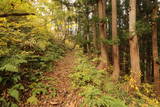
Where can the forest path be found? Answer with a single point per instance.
(66, 96)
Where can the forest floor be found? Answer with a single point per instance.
(65, 95)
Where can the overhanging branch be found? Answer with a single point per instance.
(16, 14)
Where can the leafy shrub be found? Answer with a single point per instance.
(86, 74)
(38, 89)
(94, 97)
(142, 96)
(98, 90)
(26, 51)
(90, 81)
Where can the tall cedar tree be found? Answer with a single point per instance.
(155, 49)
(116, 67)
(133, 42)
(102, 32)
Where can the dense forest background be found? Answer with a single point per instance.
(73, 53)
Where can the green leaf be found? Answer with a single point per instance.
(14, 105)
(42, 45)
(16, 78)
(1, 79)
(18, 86)
(32, 100)
(4, 102)
(9, 67)
(14, 93)
(39, 91)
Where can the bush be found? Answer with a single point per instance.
(26, 51)
(90, 81)
(98, 90)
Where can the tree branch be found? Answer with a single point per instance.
(16, 14)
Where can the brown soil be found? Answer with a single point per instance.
(66, 96)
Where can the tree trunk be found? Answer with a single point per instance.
(94, 26)
(94, 35)
(102, 32)
(116, 67)
(134, 48)
(155, 51)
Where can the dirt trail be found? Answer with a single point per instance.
(66, 97)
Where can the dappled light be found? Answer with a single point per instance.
(79, 53)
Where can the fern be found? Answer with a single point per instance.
(93, 97)
(12, 64)
(14, 93)
(42, 45)
(38, 89)
(32, 100)
(9, 67)
(86, 74)
(90, 82)
(27, 50)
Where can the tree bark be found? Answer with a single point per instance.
(94, 26)
(94, 35)
(116, 66)
(134, 48)
(155, 51)
(102, 32)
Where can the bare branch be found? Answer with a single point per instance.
(16, 14)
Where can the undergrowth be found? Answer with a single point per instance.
(90, 82)
(27, 50)
(98, 90)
